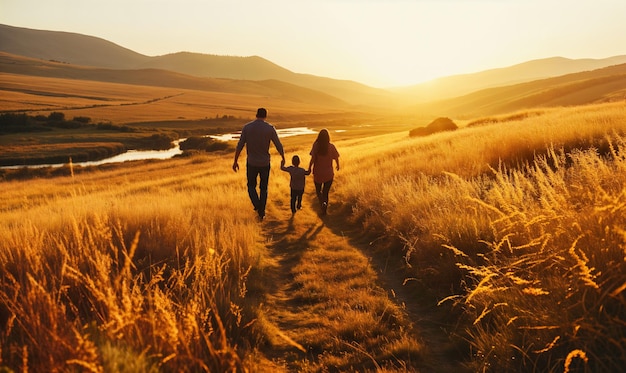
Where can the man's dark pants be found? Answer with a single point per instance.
(258, 199)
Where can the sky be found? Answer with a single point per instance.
(381, 43)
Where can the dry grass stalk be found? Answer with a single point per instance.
(529, 213)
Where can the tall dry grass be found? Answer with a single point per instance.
(516, 226)
(139, 269)
(519, 224)
(549, 280)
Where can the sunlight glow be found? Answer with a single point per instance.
(380, 43)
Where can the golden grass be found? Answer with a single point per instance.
(325, 309)
(522, 219)
(125, 103)
(517, 226)
(162, 264)
(117, 103)
(144, 264)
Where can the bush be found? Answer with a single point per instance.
(157, 141)
(114, 127)
(56, 117)
(11, 119)
(83, 120)
(438, 125)
(70, 124)
(16, 123)
(203, 143)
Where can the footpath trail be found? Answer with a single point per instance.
(334, 307)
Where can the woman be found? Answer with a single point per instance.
(322, 155)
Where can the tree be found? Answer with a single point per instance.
(56, 116)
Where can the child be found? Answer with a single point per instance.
(298, 175)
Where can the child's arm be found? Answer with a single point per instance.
(282, 165)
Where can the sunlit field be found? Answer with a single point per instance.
(518, 226)
(514, 229)
(125, 103)
(127, 270)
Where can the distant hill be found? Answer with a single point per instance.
(458, 85)
(257, 68)
(67, 47)
(600, 85)
(459, 94)
(92, 51)
(14, 64)
(213, 66)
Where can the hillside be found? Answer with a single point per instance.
(77, 49)
(67, 47)
(458, 85)
(162, 78)
(488, 92)
(257, 68)
(602, 85)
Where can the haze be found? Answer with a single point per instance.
(381, 43)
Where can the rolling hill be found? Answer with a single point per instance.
(459, 85)
(588, 87)
(545, 82)
(67, 47)
(14, 64)
(82, 50)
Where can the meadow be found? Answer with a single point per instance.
(512, 230)
(517, 226)
(103, 269)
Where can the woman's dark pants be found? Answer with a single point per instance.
(322, 189)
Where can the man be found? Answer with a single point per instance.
(256, 136)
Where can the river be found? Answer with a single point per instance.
(135, 155)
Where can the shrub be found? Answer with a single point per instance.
(56, 117)
(438, 125)
(204, 143)
(84, 120)
(114, 127)
(15, 123)
(70, 124)
(11, 119)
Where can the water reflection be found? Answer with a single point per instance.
(281, 133)
(137, 155)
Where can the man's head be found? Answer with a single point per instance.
(261, 113)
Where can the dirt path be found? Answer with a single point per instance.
(334, 306)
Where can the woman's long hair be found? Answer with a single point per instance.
(323, 139)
